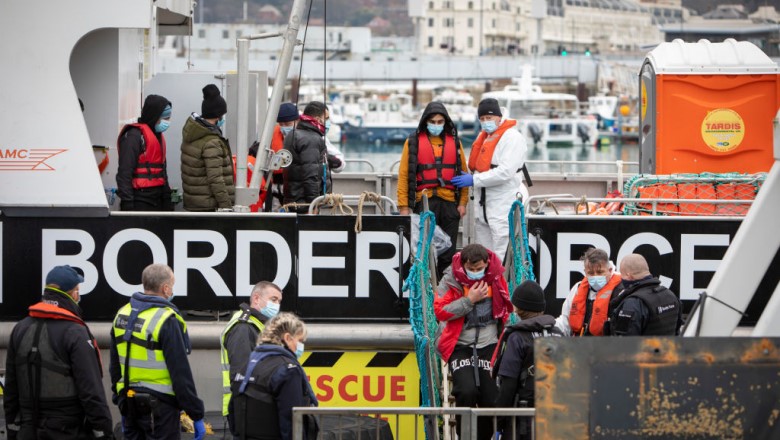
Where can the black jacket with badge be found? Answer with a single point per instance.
(645, 307)
(303, 179)
(241, 340)
(513, 362)
(87, 412)
(263, 401)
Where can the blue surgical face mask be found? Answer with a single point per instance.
(327, 125)
(298, 349)
(162, 125)
(475, 275)
(270, 310)
(489, 126)
(221, 122)
(435, 130)
(286, 130)
(597, 282)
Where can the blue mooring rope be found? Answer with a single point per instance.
(423, 337)
(522, 271)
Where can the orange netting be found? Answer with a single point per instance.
(710, 187)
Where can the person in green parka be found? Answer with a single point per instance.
(206, 160)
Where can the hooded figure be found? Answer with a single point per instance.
(142, 175)
(206, 160)
(431, 157)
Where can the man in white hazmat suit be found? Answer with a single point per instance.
(496, 161)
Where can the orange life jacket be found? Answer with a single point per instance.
(466, 291)
(44, 310)
(431, 168)
(482, 149)
(277, 143)
(150, 170)
(600, 312)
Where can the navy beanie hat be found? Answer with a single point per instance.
(65, 277)
(214, 105)
(529, 296)
(488, 106)
(287, 112)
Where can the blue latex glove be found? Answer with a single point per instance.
(465, 179)
(200, 429)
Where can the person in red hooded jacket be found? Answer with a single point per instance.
(472, 304)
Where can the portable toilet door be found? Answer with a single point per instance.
(707, 107)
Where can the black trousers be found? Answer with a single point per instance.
(54, 428)
(464, 384)
(161, 424)
(448, 218)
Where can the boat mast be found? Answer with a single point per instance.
(247, 196)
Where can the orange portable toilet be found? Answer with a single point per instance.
(707, 107)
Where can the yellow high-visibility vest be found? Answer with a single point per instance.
(147, 362)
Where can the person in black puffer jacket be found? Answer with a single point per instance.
(309, 174)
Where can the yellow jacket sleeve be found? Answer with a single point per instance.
(403, 181)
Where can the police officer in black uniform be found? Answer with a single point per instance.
(513, 361)
(644, 306)
(54, 387)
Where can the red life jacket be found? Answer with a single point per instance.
(150, 170)
(44, 310)
(433, 171)
(600, 312)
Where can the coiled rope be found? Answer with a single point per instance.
(522, 270)
(367, 196)
(420, 312)
(336, 202)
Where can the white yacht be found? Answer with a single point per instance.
(544, 117)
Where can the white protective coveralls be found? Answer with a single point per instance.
(502, 184)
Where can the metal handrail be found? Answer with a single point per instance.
(468, 416)
(542, 199)
(365, 161)
(316, 203)
(618, 164)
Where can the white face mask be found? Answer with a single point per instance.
(298, 349)
(270, 310)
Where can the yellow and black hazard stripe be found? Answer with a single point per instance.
(383, 359)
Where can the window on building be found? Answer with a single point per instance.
(470, 42)
(430, 5)
(430, 41)
(201, 33)
(494, 6)
(471, 5)
(493, 23)
(238, 34)
(517, 27)
(470, 22)
(226, 34)
(446, 5)
(430, 22)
